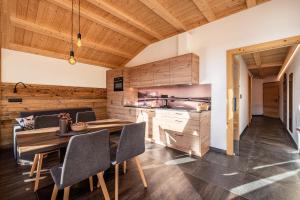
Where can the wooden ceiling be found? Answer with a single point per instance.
(113, 31)
(267, 63)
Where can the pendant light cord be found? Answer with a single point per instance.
(79, 14)
(72, 26)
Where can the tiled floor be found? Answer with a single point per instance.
(268, 168)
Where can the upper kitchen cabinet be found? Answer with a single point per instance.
(141, 76)
(178, 70)
(161, 72)
(184, 69)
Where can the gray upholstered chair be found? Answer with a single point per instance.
(86, 155)
(46, 121)
(131, 144)
(86, 116)
(42, 121)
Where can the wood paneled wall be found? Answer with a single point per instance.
(46, 97)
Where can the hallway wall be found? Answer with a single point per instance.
(244, 100)
(295, 69)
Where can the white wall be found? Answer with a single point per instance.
(257, 97)
(30, 68)
(294, 68)
(244, 94)
(273, 20)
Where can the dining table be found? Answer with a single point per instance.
(46, 139)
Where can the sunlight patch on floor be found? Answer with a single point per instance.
(231, 174)
(275, 164)
(180, 161)
(258, 184)
(33, 179)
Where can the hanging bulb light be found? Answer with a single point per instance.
(72, 59)
(79, 34)
(79, 40)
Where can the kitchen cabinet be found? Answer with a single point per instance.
(184, 69)
(141, 76)
(161, 73)
(172, 71)
(182, 130)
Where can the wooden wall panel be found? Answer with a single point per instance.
(46, 97)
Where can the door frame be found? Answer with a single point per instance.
(290, 41)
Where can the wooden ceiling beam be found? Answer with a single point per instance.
(250, 3)
(30, 26)
(291, 53)
(257, 60)
(100, 20)
(205, 9)
(265, 65)
(43, 52)
(125, 17)
(156, 7)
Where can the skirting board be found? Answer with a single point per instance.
(217, 150)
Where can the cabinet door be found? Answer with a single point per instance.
(181, 70)
(146, 75)
(141, 76)
(161, 73)
(133, 77)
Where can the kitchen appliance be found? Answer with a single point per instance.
(118, 84)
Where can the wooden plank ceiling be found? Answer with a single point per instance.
(113, 31)
(267, 63)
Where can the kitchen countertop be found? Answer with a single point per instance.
(159, 108)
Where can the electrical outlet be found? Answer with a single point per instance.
(15, 100)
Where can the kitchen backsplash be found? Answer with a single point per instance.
(188, 96)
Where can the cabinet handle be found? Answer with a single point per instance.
(178, 134)
(178, 120)
(178, 113)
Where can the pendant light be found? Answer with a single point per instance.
(79, 34)
(72, 59)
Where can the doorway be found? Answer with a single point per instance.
(284, 100)
(232, 101)
(271, 99)
(291, 80)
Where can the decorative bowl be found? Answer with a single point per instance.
(80, 126)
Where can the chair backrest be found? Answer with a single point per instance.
(132, 141)
(45, 121)
(86, 116)
(86, 155)
(71, 111)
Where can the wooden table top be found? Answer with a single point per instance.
(45, 139)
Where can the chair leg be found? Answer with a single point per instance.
(91, 183)
(103, 186)
(34, 164)
(116, 181)
(137, 161)
(66, 193)
(54, 193)
(124, 167)
(38, 172)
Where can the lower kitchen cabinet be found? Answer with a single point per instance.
(182, 130)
